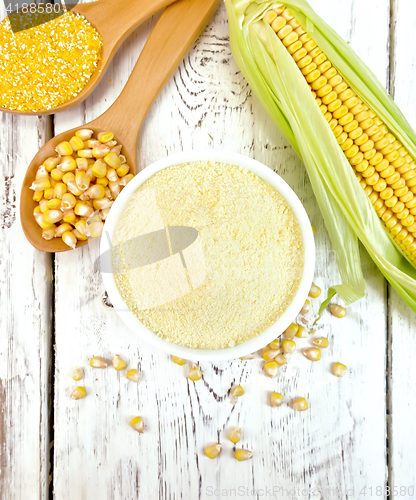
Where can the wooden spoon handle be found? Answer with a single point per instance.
(116, 20)
(176, 31)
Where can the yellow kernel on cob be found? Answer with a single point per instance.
(235, 435)
(137, 424)
(194, 372)
(242, 455)
(213, 450)
(276, 399)
(339, 370)
(79, 393)
(300, 404)
(370, 147)
(98, 362)
(78, 374)
(133, 375)
(119, 363)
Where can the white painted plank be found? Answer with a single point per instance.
(338, 444)
(402, 320)
(25, 323)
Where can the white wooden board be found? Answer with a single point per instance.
(209, 105)
(25, 323)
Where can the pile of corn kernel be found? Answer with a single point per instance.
(49, 64)
(76, 188)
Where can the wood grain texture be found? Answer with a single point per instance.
(25, 323)
(402, 321)
(337, 445)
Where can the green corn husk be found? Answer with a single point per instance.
(275, 78)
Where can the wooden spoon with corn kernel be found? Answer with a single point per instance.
(176, 31)
(114, 22)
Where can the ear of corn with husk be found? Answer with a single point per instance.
(351, 211)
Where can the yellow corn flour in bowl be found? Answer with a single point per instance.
(240, 271)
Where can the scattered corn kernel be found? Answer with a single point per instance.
(119, 363)
(213, 450)
(280, 359)
(195, 372)
(249, 356)
(270, 354)
(337, 311)
(300, 404)
(98, 362)
(302, 333)
(320, 342)
(237, 391)
(271, 368)
(275, 344)
(291, 331)
(288, 346)
(178, 361)
(312, 353)
(339, 370)
(78, 374)
(306, 307)
(79, 393)
(137, 424)
(315, 291)
(133, 375)
(276, 399)
(235, 435)
(242, 455)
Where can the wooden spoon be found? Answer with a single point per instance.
(176, 31)
(115, 21)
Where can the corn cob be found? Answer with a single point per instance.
(383, 167)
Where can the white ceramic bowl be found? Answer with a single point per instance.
(256, 343)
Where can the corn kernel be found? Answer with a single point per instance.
(306, 307)
(288, 346)
(76, 143)
(49, 234)
(337, 311)
(312, 353)
(133, 375)
(270, 354)
(119, 363)
(280, 359)
(242, 455)
(291, 331)
(105, 136)
(276, 399)
(339, 370)
(64, 149)
(113, 160)
(235, 435)
(178, 361)
(98, 362)
(321, 342)
(195, 372)
(237, 391)
(271, 368)
(300, 404)
(51, 162)
(137, 424)
(302, 333)
(213, 450)
(79, 393)
(84, 134)
(69, 239)
(78, 374)
(315, 291)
